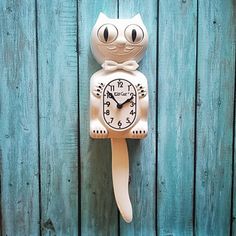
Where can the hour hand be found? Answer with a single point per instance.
(128, 100)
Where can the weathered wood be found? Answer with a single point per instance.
(176, 102)
(215, 91)
(18, 119)
(142, 153)
(99, 214)
(58, 114)
(62, 96)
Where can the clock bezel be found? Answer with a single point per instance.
(103, 110)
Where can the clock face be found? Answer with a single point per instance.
(119, 104)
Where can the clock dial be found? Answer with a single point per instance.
(119, 104)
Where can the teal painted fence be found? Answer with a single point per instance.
(55, 180)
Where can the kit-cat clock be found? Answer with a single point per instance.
(119, 94)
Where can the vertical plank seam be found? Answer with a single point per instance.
(233, 156)
(38, 116)
(118, 8)
(78, 127)
(157, 69)
(195, 128)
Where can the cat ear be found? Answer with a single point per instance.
(137, 18)
(102, 16)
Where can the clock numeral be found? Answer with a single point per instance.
(112, 118)
(119, 124)
(107, 112)
(112, 87)
(128, 120)
(132, 94)
(132, 103)
(129, 87)
(132, 112)
(120, 84)
(107, 103)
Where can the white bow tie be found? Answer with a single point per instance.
(127, 65)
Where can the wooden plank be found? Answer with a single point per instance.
(143, 152)
(58, 97)
(18, 119)
(176, 102)
(98, 209)
(215, 96)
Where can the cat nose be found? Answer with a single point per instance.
(121, 42)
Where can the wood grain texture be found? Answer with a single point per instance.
(176, 101)
(142, 153)
(58, 114)
(99, 214)
(215, 95)
(18, 119)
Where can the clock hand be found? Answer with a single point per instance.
(112, 96)
(128, 100)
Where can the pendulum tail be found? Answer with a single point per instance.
(120, 177)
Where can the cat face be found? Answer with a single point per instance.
(118, 40)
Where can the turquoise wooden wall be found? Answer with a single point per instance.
(55, 180)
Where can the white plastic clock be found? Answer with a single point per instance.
(119, 95)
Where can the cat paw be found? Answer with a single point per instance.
(98, 89)
(139, 131)
(98, 131)
(142, 92)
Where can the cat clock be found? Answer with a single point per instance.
(119, 95)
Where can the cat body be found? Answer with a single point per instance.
(98, 127)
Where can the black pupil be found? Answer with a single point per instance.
(134, 34)
(105, 34)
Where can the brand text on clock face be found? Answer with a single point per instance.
(120, 94)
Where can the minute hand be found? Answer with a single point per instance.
(112, 96)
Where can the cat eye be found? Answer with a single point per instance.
(107, 33)
(134, 34)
